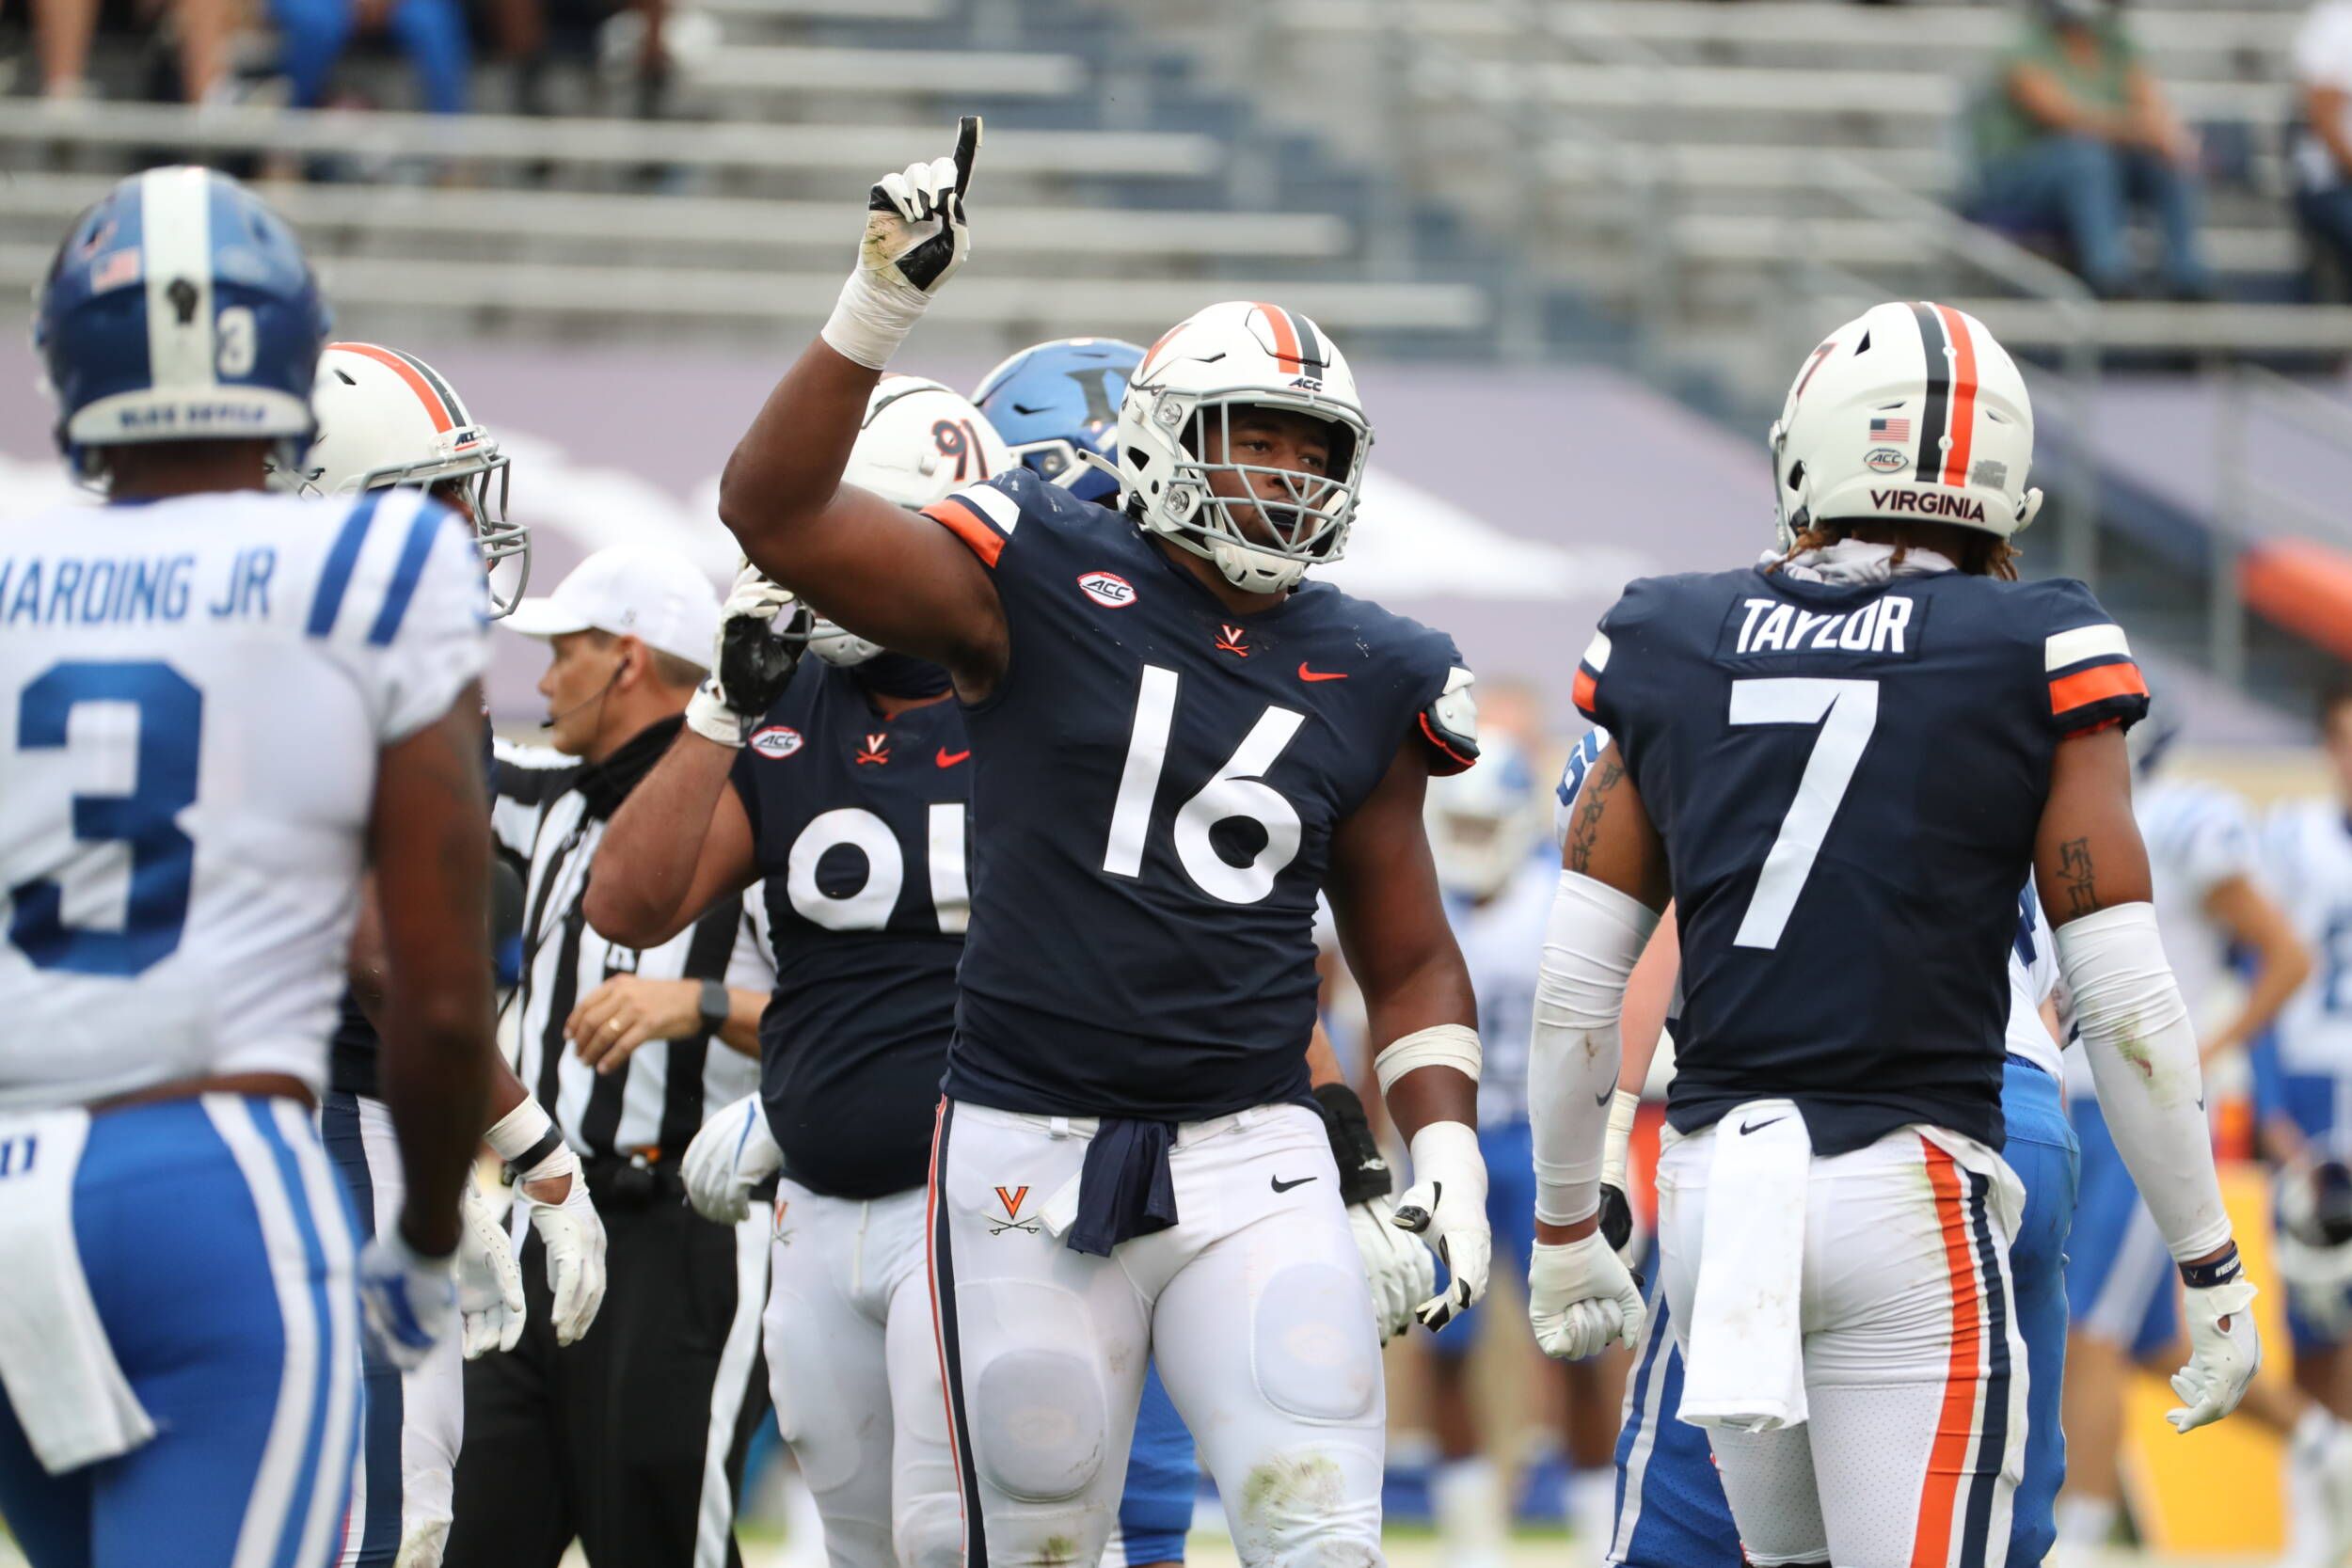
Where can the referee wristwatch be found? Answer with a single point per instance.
(715, 1006)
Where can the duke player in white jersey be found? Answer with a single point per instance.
(2303, 1080)
(220, 707)
(2210, 901)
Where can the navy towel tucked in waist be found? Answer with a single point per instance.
(1126, 1189)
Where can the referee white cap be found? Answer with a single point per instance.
(657, 596)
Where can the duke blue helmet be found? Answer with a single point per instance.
(1053, 401)
(179, 308)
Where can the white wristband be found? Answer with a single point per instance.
(1453, 1045)
(1622, 1110)
(519, 1130)
(871, 319)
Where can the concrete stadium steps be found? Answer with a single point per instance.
(1010, 309)
(715, 232)
(830, 153)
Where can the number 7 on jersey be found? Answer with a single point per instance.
(1848, 712)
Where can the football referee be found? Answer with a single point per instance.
(632, 1440)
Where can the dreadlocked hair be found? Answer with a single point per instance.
(1978, 553)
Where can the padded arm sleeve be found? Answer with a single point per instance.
(1596, 935)
(2143, 1058)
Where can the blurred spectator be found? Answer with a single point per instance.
(62, 31)
(2323, 144)
(432, 33)
(2073, 132)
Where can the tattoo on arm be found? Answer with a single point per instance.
(1586, 829)
(2082, 890)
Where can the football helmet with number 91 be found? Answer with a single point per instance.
(920, 441)
(386, 417)
(1241, 354)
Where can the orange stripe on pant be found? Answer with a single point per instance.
(1956, 1419)
(968, 525)
(1963, 422)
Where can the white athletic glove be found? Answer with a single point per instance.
(1402, 1272)
(572, 1233)
(916, 236)
(762, 633)
(489, 1283)
(409, 1299)
(2221, 1361)
(733, 1153)
(1447, 1205)
(1580, 1298)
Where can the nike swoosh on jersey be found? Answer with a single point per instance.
(1307, 674)
(948, 759)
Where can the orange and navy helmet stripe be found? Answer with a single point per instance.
(1297, 343)
(440, 403)
(1950, 408)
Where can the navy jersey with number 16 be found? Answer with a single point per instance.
(1849, 779)
(1157, 785)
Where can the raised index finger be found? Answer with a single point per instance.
(967, 145)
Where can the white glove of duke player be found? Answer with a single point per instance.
(733, 1153)
(489, 1282)
(572, 1234)
(2221, 1360)
(916, 236)
(409, 1299)
(1580, 1298)
(1446, 1205)
(763, 631)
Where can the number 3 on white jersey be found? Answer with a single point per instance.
(1848, 712)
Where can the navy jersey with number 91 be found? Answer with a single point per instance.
(1157, 784)
(1849, 779)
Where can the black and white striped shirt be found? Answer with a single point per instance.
(550, 813)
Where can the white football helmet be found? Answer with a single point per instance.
(1911, 412)
(920, 442)
(1487, 823)
(388, 418)
(1238, 355)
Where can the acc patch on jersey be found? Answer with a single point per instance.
(776, 741)
(1107, 589)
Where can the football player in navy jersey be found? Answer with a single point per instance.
(1840, 764)
(1175, 744)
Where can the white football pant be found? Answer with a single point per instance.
(853, 1369)
(431, 1395)
(1914, 1371)
(1254, 1303)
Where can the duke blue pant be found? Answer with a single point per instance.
(217, 1244)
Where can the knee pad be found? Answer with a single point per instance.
(929, 1531)
(1039, 1424)
(1315, 1352)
